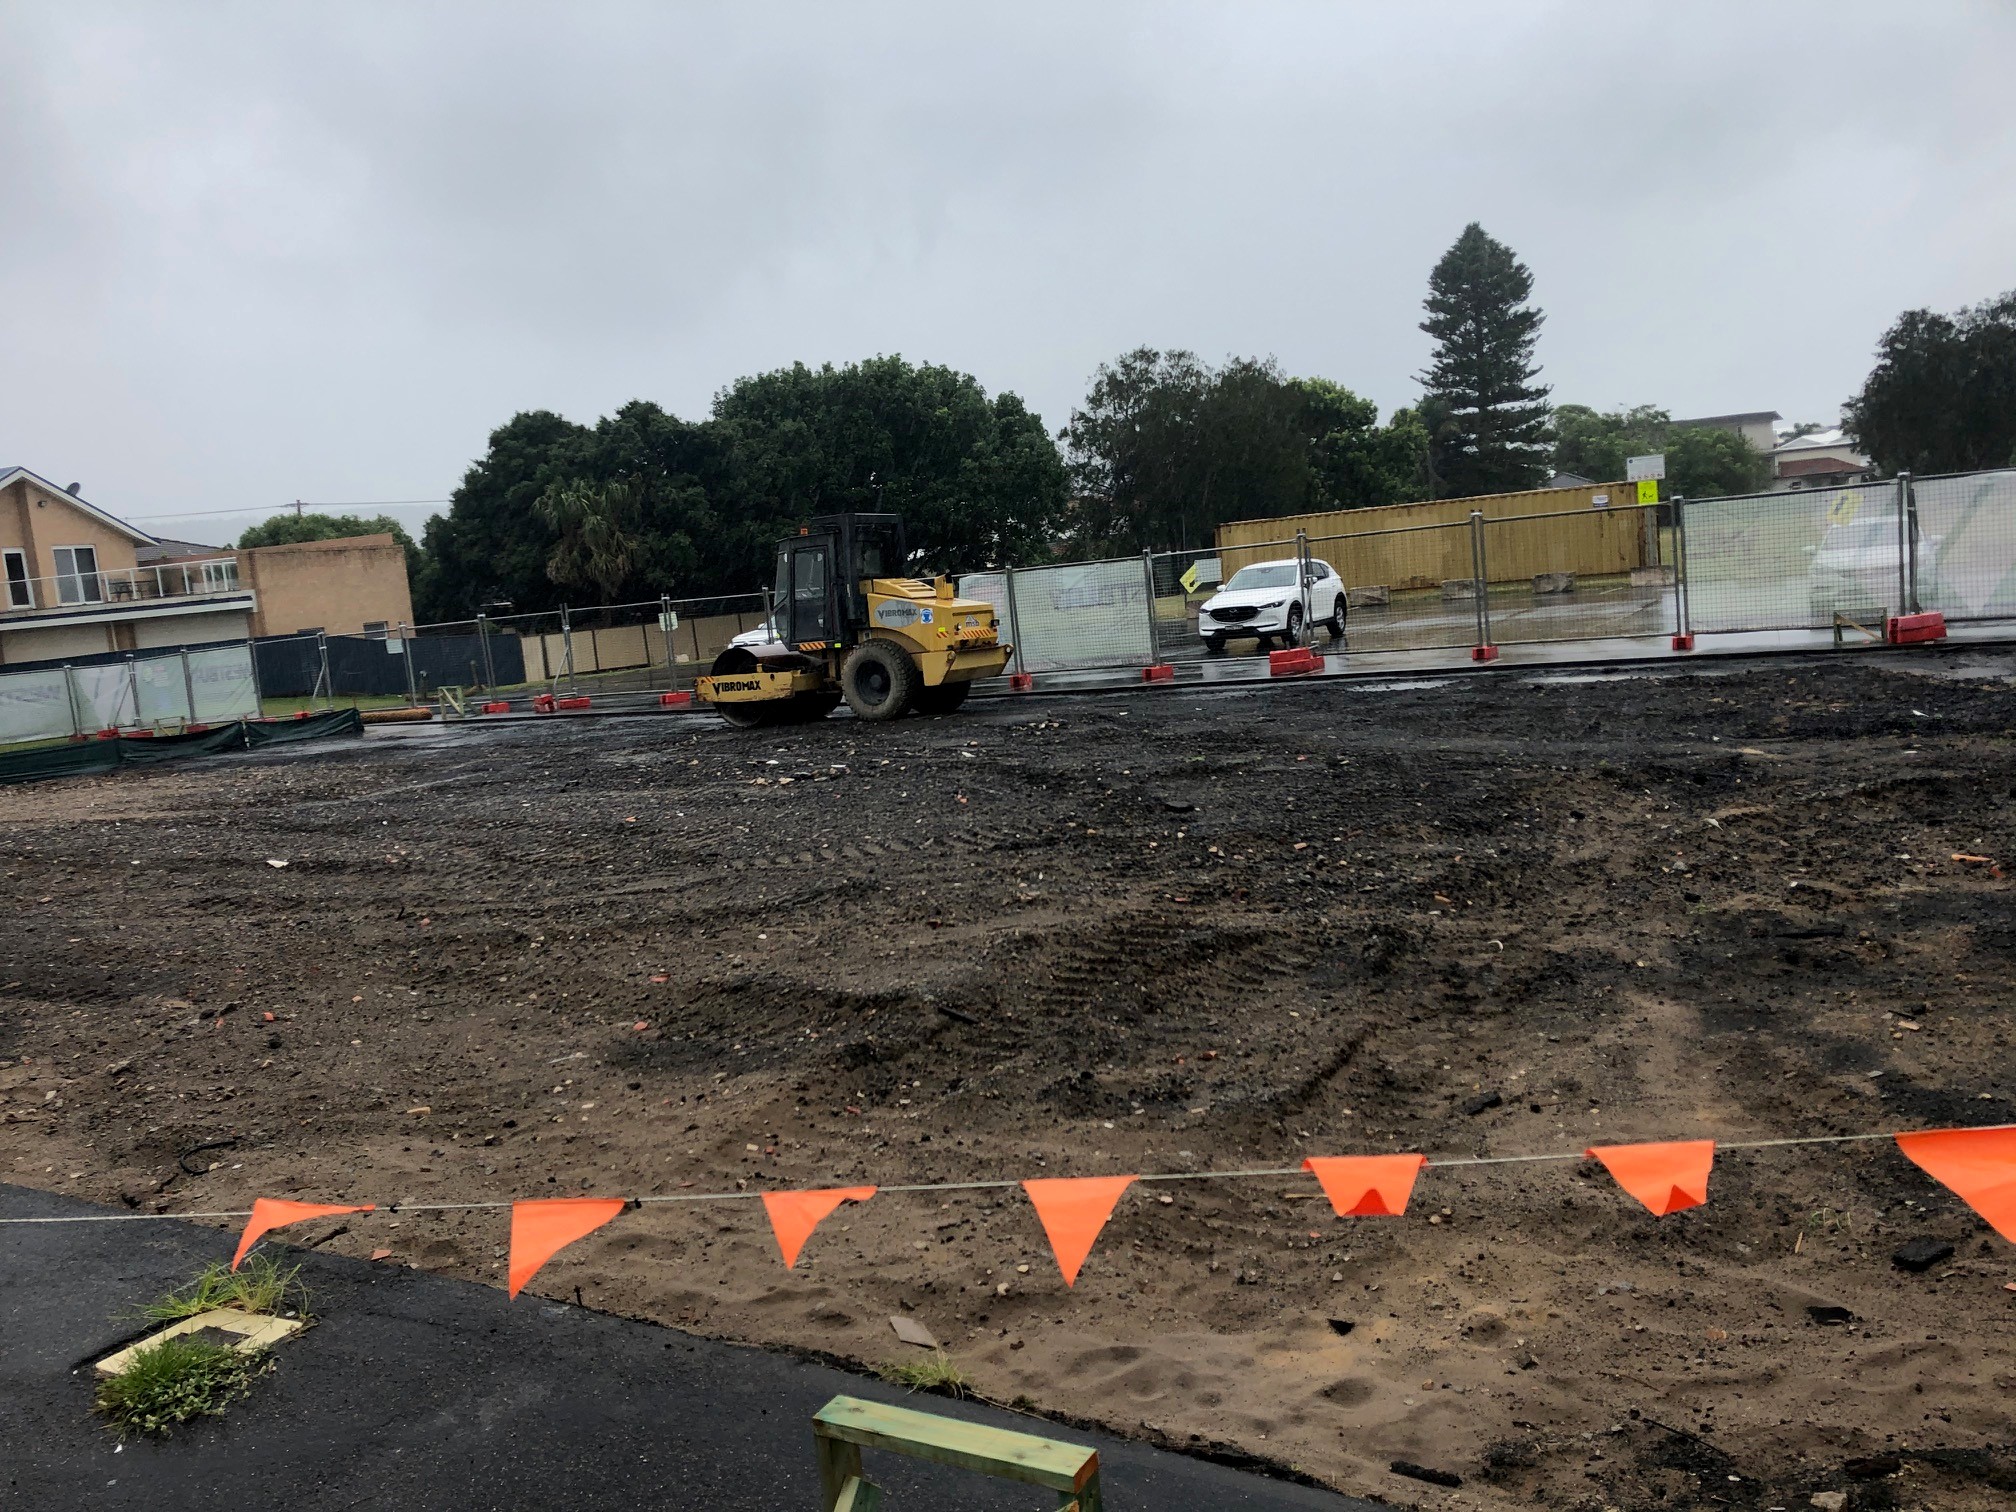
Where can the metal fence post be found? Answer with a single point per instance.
(483, 647)
(325, 685)
(1480, 577)
(70, 687)
(1302, 583)
(1683, 617)
(665, 634)
(258, 693)
(1014, 624)
(1148, 583)
(1909, 496)
(188, 685)
(567, 646)
(406, 646)
(133, 687)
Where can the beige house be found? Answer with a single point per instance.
(75, 584)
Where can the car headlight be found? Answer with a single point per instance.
(1276, 604)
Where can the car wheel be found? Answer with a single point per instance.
(1337, 613)
(1291, 636)
(1214, 645)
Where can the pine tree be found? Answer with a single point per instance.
(1493, 418)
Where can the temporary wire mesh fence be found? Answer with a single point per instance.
(1589, 575)
(1074, 616)
(1965, 562)
(154, 692)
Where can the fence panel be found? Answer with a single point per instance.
(35, 706)
(1792, 561)
(1408, 590)
(223, 682)
(105, 695)
(1966, 558)
(1073, 617)
(1556, 578)
(163, 690)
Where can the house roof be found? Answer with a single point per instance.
(164, 549)
(1806, 467)
(1826, 440)
(1748, 417)
(12, 474)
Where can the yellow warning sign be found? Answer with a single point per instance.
(1648, 490)
(1843, 509)
(1189, 579)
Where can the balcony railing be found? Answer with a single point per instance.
(67, 593)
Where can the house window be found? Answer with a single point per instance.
(377, 629)
(220, 577)
(20, 592)
(77, 580)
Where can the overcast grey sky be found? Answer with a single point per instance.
(250, 253)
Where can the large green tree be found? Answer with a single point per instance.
(1487, 418)
(493, 545)
(1942, 396)
(297, 529)
(1166, 448)
(645, 503)
(1700, 462)
(977, 480)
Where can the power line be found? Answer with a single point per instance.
(297, 505)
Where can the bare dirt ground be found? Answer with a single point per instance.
(1139, 933)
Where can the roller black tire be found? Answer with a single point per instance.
(744, 716)
(1336, 620)
(807, 708)
(942, 699)
(878, 680)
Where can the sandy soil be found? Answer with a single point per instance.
(1155, 932)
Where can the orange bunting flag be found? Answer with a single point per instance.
(277, 1212)
(1073, 1210)
(544, 1226)
(1977, 1165)
(1665, 1177)
(1366, 1186)
(793, 1215)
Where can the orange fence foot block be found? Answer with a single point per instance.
(1295, 660)
(580, 702)
(675, 700)
(1684, 642)
(1483, 653)
(1162, 672)
(1020, 682)
(1914, 629)
(497, 706)
(543, 704)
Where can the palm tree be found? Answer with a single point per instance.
(598, 524)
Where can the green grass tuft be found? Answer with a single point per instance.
(935, 1372)
(175, 1381)
(260, 1285)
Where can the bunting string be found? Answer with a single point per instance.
(1429, 1163)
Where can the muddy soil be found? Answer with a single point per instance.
(1153, 932)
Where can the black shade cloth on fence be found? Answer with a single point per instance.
(366, 665)
(83, 757)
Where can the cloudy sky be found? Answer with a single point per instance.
(253, 253)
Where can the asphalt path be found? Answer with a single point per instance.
(416, 1391)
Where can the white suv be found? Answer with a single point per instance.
(1262, 600)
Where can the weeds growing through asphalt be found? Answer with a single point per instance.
(175, 1381)
(260, 1285)
(935, 1372)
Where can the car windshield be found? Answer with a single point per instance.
(1860, 535)
(1266, 575)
